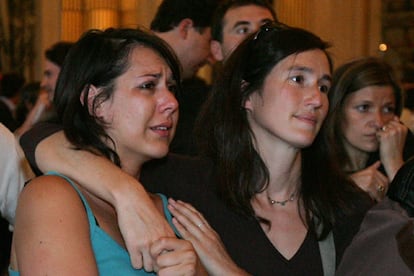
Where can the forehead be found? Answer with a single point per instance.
(144, 59)
(372, 93)
(249, 14)
(49, 65)
(314, 61)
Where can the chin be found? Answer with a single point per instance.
(371, 148)
(303, 144)
(160, 152)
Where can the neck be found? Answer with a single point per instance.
(131, 163)
(284, 183)
(284, 173)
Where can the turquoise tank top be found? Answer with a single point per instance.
(111, 258)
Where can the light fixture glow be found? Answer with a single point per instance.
(383, 47)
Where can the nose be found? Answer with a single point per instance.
(169, 103)
(378, 120)
(315, 98)
(43, 82)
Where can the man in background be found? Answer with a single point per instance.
(234, 20)
(54, 57)
(186, 26)
(43, 109)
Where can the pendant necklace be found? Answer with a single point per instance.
(282, 202)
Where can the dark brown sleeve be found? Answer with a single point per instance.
(30, 139)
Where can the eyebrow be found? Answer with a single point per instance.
(245, 23)
(300, 68)
(155, 75)
(309, 70)
(266, 20)
(241, 23)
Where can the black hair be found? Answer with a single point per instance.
(28, 96)
(224, 134)
(57, 52)
(10, 84)
(171, 12)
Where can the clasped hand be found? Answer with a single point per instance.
(391, 138)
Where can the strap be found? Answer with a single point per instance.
(327, 250)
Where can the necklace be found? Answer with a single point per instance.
(282, 202)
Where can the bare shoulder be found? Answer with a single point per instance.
(48, 189)
(51, 229)
(47, 198)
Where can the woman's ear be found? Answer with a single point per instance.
(92, 93)
(248, 105)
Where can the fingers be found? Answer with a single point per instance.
(392, 127)
(188, 216)
(372, 181)
(140, 258)
(140, 228)
(148, 261)
(136, 259)
(174, 257)
(392, 140)
(379, 186)
(376, 165)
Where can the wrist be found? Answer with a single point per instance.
(130, 191)
(392, 168)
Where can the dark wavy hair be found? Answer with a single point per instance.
(224, 134)
(171, 12)
(347, 79)
(98, 59)
(58, 51)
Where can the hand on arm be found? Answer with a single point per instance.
(193, 227)
(392, 140)
(176, 257)
(140, 222)
(372, 181)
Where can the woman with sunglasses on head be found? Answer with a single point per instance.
(258, 127)
(363, 129)
(276, 204)
(115, 98)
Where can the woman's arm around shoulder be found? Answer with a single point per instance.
(140, 222)
(51, 234)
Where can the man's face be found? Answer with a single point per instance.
(238, 23)
(50, 76)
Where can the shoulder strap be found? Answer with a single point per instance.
(327, 250)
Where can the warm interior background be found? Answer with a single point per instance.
(354, 27)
